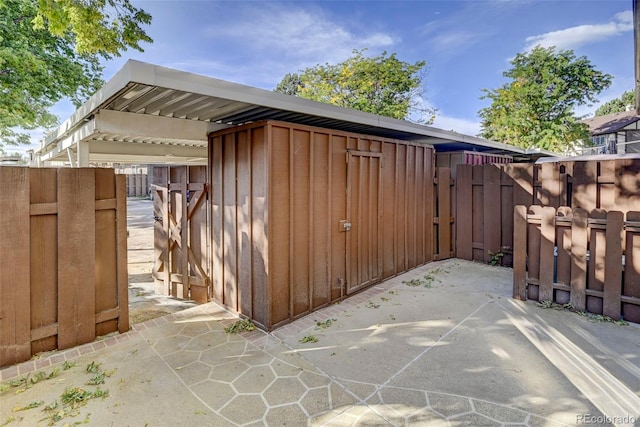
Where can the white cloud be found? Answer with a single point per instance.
(580, 35)
(299, 35)
(465, 126)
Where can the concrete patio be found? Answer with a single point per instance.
(441, 345)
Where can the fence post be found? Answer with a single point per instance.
(579, 237)
(611, 304)
(520, 253)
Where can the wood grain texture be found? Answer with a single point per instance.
(15, 320)
(76, 257)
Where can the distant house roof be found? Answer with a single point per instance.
(610, 123)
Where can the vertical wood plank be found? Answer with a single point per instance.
(230, 222)
(464, 213)
(122, 274)
(44, 257)
(519, 252)
(429, 163)
(597, 253)
(259, 226)
(388, 209)
(243, 184)
(631, 312)
(321, 225)
(300, 147)
(76, 257)
(491, 214)
(280, 225)
(105, 272)
(15, 324)
(477, 209)
(216, 144)
(584, 188)
(444, 203)
(611, 304)
(547, 244)
(184, 231)
(579, 237)
(533, 251)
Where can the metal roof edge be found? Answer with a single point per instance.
(140, 72)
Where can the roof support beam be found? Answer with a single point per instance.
(148, 126)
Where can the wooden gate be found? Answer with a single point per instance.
(364, 226)
(181, 247)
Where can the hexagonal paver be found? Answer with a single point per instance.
(312, 380)
(426, 418)
(413, 398)
(255, 380)
(500, 413)
(207, 341)
(181, 358)
(448, 405)
(316, 401)
(244, 409)
(283, 369)
(221, 354)
(284, 390)
(473, 420)
(257, 358)
(193, 373)
(214, 394)
(289, 415)
(340, 397)
(193, 329)
(228, 372)
(167, 330)
(170, 345)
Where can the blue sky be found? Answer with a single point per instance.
(466, 44)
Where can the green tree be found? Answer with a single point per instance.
(536, 108)
(290, 84)
(617, 105)
(381, 85)
(51, 50)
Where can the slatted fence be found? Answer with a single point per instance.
(63, 259)
(486, 196)
(180, 232)
(590, 260)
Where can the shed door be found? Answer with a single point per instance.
(364, 210)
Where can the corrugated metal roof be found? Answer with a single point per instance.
(142, 88)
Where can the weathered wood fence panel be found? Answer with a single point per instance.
(444, 202)
(138, 184)
(180, 232)
(487, 194)
(63, 269)
(589, 271)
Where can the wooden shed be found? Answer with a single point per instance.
(273, 219)
(303, 216)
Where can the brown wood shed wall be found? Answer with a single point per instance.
(281, 195)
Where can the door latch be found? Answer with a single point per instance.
(345, 226)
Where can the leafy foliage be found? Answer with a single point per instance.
(535, 109)
(381, 85)
(617, 105)
(50, 50)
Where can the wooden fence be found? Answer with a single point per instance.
(444, 206)
(63, 263)
(181, 244)
(571, 256)
(137, 185)
(486, 196)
